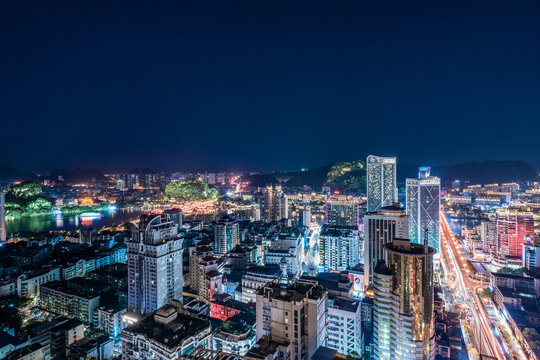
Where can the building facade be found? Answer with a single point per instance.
(342, 210)
(512, 228)
(165, 334)
(292, 313)
(226, 234)
(154, 264)
(380, 228)
(423, 206)
(339, 248)
(381, 182)
(403, 324)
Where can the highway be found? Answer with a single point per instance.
(480, 326)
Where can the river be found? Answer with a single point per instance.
(71, 222)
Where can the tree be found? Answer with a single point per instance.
(511, 271)
(191, 189)
(533, 337)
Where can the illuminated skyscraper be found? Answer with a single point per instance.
(381, 182)
(423, 206)
(403, 326)
(154, 264)
(380, 228)
(512, 228)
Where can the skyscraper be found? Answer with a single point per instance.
(342, 210)
(154, 264)
(275, 204)
(512, 228)
(3, 234)
(403, 326)
(380, 228)
(381, 182)
(423, 206)
(226, 234)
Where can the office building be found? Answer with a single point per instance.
(512, 228)
(342, 210)
(274, 204)
(403, 324)
(423, 206)
(381, 182)
(292, 314)
(380, 228)
(166, 334)
(226, 234)
(154, 264)
(339, 248)
(344, 325)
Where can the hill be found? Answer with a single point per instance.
(486, 172)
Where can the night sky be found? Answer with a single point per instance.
(267, 84)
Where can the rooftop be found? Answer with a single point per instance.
(173, 332)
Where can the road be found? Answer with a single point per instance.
(455, 261)
(312, 256)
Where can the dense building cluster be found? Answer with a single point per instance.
(271, 271)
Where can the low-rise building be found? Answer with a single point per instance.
(165, 334)
(59, 298)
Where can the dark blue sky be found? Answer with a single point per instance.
(267, 84)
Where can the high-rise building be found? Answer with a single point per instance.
(403, 324)
(380, 228)
(342, 210)
(292, 314)
(226, 234)
(423, 206)
(275, 204)
(339, 247)
(488, 236)
(304, 217)
(512, 228)
(3, 234)
(154, 264)
(344, 325)
(381, 182)
(205, 279)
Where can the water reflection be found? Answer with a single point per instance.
(59, 221)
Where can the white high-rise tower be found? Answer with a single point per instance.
(423, 206)
(381, 182)
(154, 264)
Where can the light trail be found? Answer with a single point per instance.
(484, 337)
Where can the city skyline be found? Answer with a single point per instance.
(209, 80)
